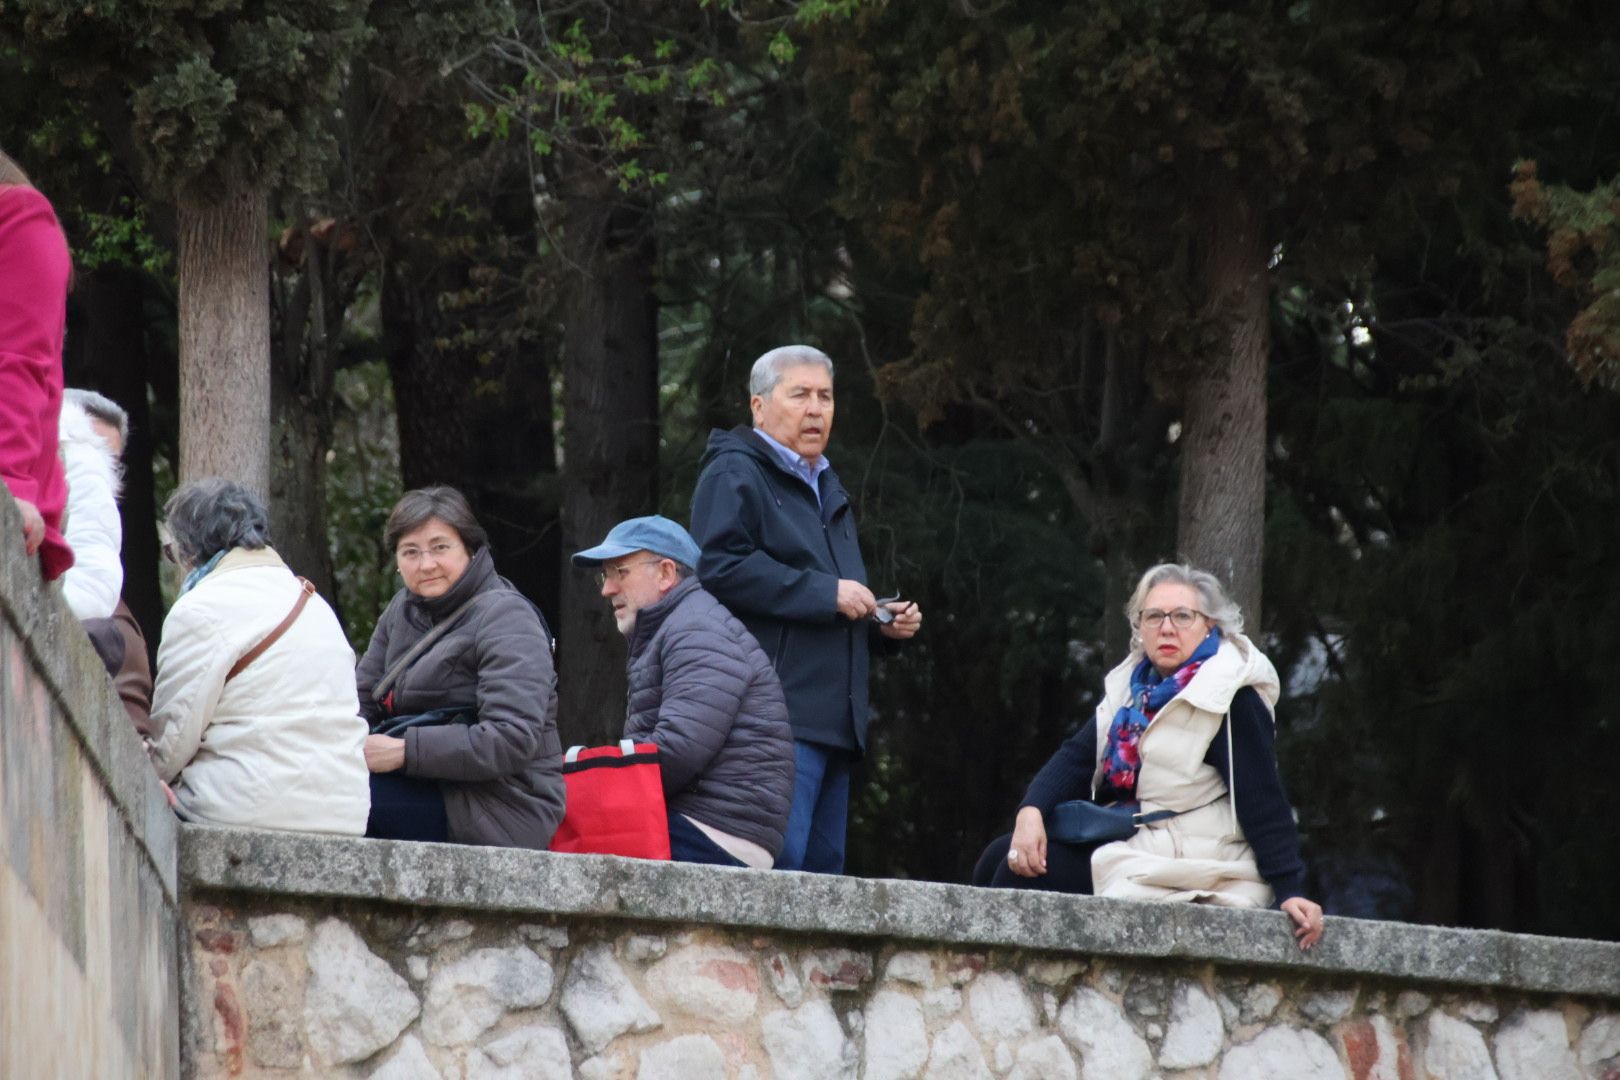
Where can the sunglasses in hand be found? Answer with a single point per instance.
(883, 614)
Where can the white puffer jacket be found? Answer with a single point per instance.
(281, 746)
(93, 529)
(1201, 855)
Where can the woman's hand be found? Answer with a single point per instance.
(384, 753)
(33, 526)
(1307, 916)
(1026, 855)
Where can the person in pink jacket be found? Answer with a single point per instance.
(34, 273)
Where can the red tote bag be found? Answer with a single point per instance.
(615, 802)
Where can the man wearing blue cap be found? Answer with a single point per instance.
(703, 692)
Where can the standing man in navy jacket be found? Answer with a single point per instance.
(779, 550)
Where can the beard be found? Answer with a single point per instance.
(625, 619)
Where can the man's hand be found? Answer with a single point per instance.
(855, 601)
(34, 526)
(906, 622)
(1307, 916)
(1026, 856)
(384, 753)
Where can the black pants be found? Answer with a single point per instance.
(407, 808)
(688, 843)
(1068, 868)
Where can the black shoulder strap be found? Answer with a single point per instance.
(386, 683)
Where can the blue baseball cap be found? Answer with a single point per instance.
(658, 535)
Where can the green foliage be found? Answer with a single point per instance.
(70, 158)
(620, 86)
(1583, 256)
(362, 486)
(122, 239)
(223, 88)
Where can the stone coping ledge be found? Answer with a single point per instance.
(533, 882)
(63, 657)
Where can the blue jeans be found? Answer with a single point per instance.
(688, 843)
(819, 815)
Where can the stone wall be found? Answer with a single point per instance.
(88, 915)
(311, 956)
(292, 955)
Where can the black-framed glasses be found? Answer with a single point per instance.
(1181, 618)
(619, 573)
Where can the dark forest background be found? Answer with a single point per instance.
(532, 252)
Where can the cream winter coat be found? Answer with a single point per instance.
(91, 586)
(281, 746)
(1202, 855)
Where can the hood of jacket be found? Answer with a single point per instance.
(82, 447)
(1236, 664)
(741, 439)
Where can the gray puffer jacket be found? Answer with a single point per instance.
(703, 691)
(502, 776)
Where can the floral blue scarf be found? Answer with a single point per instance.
(200, 573)
(1150, 692)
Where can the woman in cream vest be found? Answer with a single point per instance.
(1185, 725)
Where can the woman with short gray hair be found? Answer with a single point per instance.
(253, 711)
(459, 691)
(1182, 740)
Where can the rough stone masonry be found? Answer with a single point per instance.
(310, 956)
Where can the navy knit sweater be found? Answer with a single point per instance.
(1263, 810)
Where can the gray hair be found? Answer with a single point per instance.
(100, 407)
(768, 369)
(208, 516)
(1221, 608)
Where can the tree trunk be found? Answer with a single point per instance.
(302, 372)
(513, 473)
(302, 434)
(1221, 521)
(610, 443)
(473, 398)
(430, 384)
(109, 353)
(225, 337)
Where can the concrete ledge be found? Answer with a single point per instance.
(65, 660)
(506, 880)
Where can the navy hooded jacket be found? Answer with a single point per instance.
(773, 557)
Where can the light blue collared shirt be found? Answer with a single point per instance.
(798, 464)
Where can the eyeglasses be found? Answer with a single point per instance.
(1181, 618)
(620, 573)
(438, 551)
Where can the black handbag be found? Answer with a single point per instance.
(396, 726)
(1082, 821)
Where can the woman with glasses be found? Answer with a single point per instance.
(1184, 732)
(253, 715)
(460, 691)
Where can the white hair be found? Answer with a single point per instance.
(1222, 610)
(768, 369)
(100, 407)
